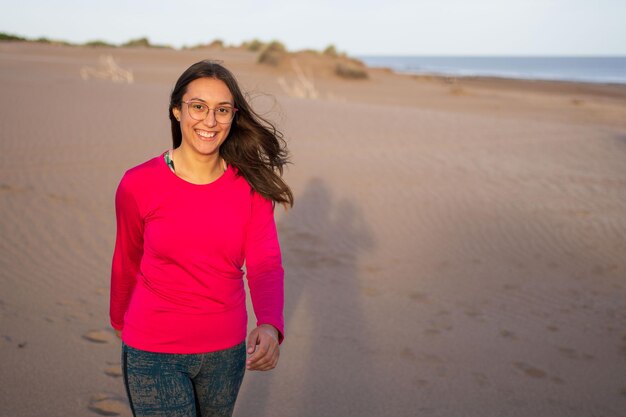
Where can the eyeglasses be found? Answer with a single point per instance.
(199, 111)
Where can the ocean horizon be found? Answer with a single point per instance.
(601, 69)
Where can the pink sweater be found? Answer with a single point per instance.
(176, 280)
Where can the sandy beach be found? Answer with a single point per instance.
(457, 246)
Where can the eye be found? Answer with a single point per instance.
(224, 110)
(199, 107)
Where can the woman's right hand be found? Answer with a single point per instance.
(118, 333)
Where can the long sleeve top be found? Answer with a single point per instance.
(177, 274)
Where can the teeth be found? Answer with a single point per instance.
(205, 134)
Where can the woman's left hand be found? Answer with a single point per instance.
(266, 356)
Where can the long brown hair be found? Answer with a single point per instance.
(254, 146)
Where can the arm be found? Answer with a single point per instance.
(265, 275)
(127, 254)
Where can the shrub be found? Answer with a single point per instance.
(330, 51)
(217, 44)
(351, 69)
(9, 37)
(272, 54)
(139, 42)
(254, 45)
(99, 44)
(52, 41)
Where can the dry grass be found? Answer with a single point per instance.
(303, 86)
(108, 70)
(351, 69)
(273, 54)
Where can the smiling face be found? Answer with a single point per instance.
(204, 137)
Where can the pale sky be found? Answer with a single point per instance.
(363, 27)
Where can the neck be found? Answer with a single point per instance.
(196, 168)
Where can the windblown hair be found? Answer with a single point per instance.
(254, 146)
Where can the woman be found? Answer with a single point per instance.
(187, 220)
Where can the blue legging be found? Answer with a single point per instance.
(183, 385)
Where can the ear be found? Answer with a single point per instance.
(176, 113)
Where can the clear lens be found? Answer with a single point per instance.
(199, 111)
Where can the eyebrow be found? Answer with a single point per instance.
(204, 101)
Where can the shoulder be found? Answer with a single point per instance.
(139, 180)
(244, 188)
(138, 175)
(148, 168)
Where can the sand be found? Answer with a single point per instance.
(457, 246)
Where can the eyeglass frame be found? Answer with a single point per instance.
(235, 110)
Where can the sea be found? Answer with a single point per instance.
(605, 70)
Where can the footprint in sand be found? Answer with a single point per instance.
(60, 198)
(6, 338)
(99, 336)
(114, 369)
(480, 379)
(8, 188)
(107, 405)
(507, 334)
(552, 328)
(102, 291)
(557, 380)
(420, 383)
(419, 297)
(474, 313)
(530, 370)
(573, 354)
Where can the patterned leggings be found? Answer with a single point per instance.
(183, 385)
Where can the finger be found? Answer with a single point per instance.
(253, 340)
(266, 365)
(260, 357)
(266, 346)
(267, 361)
(260, 353)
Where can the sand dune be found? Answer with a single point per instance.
(454, 249)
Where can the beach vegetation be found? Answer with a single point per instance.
(139, 42)
(217, 44)
(331, 51)
(254, 45)
(10, 37)
(273, 53)
(142, 43)
(15, 38)
(351, 69)
(99, 44)
(309, 51)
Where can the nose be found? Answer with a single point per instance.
(210, 120)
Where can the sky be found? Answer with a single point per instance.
(358, 27)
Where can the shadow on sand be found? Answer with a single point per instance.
(321, 373)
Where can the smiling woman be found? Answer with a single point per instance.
(254, 146)
(187, 221)
(203, 129)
